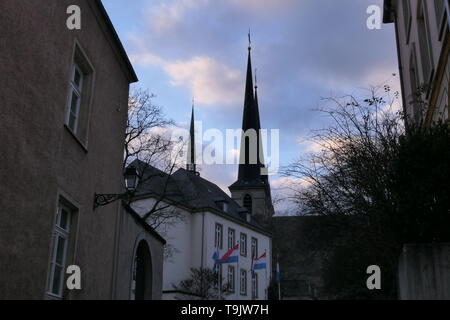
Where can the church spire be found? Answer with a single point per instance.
(190, 164)
(249, 171)
(252, 188)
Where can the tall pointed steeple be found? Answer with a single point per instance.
(190, 163)
(258, 124)
(249, 169)
(252, 188)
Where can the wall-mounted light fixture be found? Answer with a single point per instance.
(131, 182)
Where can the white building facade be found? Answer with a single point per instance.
(195, 237)
(422, 32)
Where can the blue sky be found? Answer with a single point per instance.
(304, 50)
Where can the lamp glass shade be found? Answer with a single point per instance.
(131, 178)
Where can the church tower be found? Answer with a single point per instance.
(252, 188)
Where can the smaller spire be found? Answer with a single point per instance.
(190, 164)
(249, 40)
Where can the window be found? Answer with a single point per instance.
(231, 238)
(76, 89)
(424, 43)
(78, 100)
(243, 282)
(254, 248)
(59, 249)
(243, 245)
(218, 242)
(255, 286)
(407, 18)
(222, 204)
(231, 278)
(219, 276)
(248, 203)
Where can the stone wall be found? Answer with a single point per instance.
(424, 271)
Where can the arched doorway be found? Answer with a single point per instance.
(141, 287)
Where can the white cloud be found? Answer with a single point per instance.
(210, 81)
(166, 16)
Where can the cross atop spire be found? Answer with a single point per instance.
(249, 40)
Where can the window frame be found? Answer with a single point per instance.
(231, 277)
(59, 233)
(255, 285)
(243, 282)
(218, 238)
(254, 248)
(76, 90)
(80, 129)
(231, 238)
(243, 244)
(220, 276)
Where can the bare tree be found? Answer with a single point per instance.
(144, 135)
(203, 285)
(389, 184)
(148, 146)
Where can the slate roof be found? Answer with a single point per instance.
(190, 191)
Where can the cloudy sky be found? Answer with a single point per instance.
(304, 50)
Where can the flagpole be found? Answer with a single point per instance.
(279, 277)
(265, 291)
(220, 285)
(237, 272)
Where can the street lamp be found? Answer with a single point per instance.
(131, 182)
(131, 179)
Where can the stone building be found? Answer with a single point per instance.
(423, 43)
(64, 100)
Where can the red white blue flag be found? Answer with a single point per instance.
(261, 262)
(231, 256)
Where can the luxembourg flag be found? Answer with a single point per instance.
(260, 263)
(231, 255)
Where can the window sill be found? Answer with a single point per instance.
(52, 296)
(79, 142)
